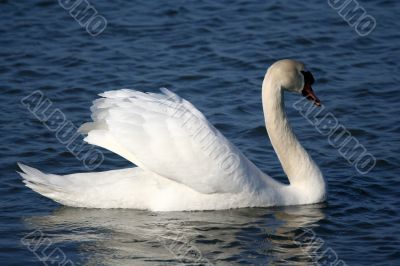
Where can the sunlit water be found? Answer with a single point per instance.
(215, 55)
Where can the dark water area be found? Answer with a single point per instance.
(215, 55)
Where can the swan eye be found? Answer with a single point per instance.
(308, 77)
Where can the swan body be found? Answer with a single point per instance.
(184, 162)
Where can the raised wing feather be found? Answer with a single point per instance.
(167, 135)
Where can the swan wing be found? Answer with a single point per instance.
(165, 134)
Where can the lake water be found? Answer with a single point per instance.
(215, 55)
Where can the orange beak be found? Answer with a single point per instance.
(310, 95)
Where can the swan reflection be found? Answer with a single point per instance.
(258, 236)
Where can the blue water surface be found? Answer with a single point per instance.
(215, 54)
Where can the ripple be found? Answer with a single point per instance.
(214, 54)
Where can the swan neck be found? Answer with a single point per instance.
(299, 167)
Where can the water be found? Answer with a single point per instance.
(215, 55)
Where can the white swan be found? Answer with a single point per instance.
(184, 163)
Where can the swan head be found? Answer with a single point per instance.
(293, 77)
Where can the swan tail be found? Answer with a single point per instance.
(123, 188)
(48, 185)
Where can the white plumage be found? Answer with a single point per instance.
(184, 163)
